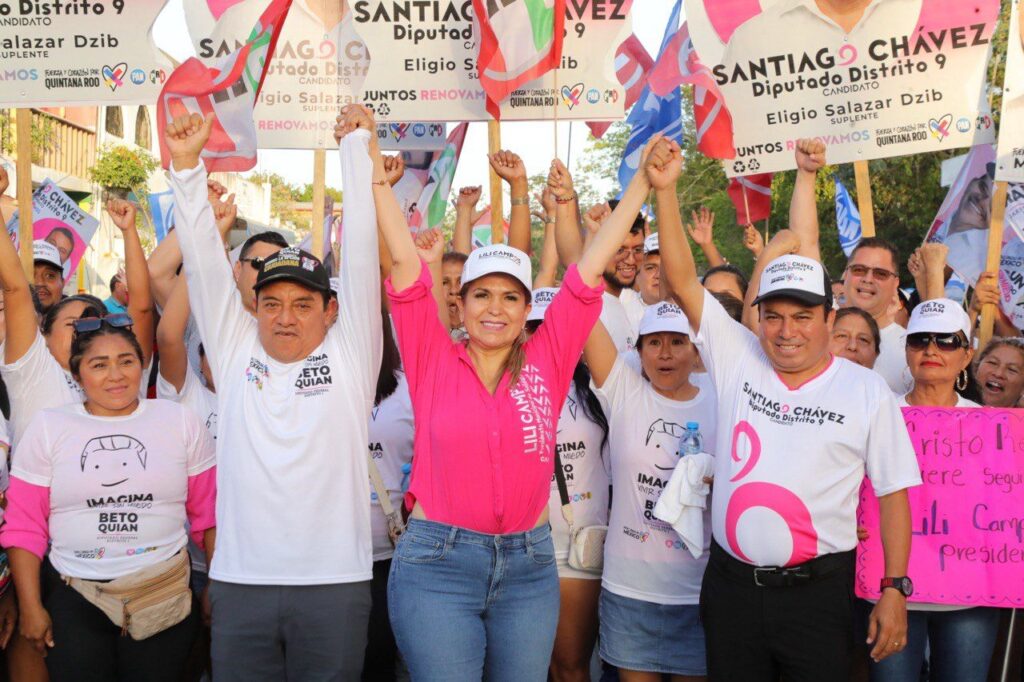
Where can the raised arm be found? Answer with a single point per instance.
(512, 170)
(20, 315)
(678, 269)
(430, 246)
(170, 336)
(140, 301)
(933, 257)
(803, 209)
(547, 268)
(568, 240)
(465, 216)
(784, 242)
(702, 231)
(600, 354)
(394, 169)
(214, 299)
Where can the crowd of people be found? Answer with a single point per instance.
(442, 465)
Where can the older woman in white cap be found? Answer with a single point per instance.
(473, 583)
(650, 624)
(960, 640)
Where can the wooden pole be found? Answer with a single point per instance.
(319, 186)
(864, 204)
(995, 248)
(23, 121)
(497, 203)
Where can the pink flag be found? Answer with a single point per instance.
(678, 64)
(752, 197)
(228, 90)
(632, 63)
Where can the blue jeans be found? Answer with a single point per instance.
(468, 606)
(960, 645)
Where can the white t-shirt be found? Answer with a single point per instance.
(293, 503)
(5, 449)
(585, 467)
(615, 320)
(194, 395)
(634, 306)
(391, 434)
(118, 485)
(644, 558)
(788, 493)
(892, 360)
(36, 382)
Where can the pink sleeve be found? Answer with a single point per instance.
(567, 325)
(200, 505)
(27, 518)
(421, 336)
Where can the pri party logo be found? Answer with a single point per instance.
(113, 76)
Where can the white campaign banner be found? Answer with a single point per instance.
(907, 77)
(423, 63)
(79, 53)
(1010, 163)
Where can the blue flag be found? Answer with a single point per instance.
(847, 218)
(652, 114)
(162, 207)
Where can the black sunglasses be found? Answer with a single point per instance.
(946, 343)
(84, 325)
(256, 262)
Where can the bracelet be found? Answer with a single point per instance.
(521, 201)
(566, 200)
(550, 221)
(381, 183)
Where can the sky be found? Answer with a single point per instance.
(534, 142)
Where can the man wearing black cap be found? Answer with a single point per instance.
(798, 430)
(290, 578)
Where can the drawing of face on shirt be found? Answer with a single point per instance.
(114, 459)
(665, 436)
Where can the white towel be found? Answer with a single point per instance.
(684, 499)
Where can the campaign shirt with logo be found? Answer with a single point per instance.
(391, 437)
(644, 558)
(790, 461)
(118, 486)
(293, 504)
(579, 446)
(616, 321)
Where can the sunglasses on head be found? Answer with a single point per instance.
(256, 262)
(84, 325)
(944, 342)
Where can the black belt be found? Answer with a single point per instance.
(777, 576)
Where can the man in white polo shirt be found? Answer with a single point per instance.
(290, 578)
(798, 430)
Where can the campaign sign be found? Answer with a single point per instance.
(1010, 166)
(423, 63)
(79, 53)
(56, 218)
(967, 519)
(906, 77)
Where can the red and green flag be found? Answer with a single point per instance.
(520, 40)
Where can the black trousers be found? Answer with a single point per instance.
(88, 647)
(802, 633)
(381, 650)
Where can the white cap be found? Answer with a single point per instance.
(45, 252)
(498, 259)
(664, 317)
(651, 243)
(541, 300)
(797, 277)
(939, 316)
(335, 284)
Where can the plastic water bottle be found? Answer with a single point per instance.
(406, 471)
(691, 443)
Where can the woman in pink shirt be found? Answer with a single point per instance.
(473, 590)
(108, 485)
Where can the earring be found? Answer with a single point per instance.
(961, 381)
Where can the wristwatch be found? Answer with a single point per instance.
(904, 585)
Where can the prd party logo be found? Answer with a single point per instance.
(113, 76)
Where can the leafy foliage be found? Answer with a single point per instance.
(124, 167)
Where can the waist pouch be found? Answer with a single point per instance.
(145, 602)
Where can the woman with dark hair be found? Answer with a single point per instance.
(36, 354)
(581, 449)
(999, 372)
(108, 485)
(473, 580)
(855, 336)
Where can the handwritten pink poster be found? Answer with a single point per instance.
(968, 517)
